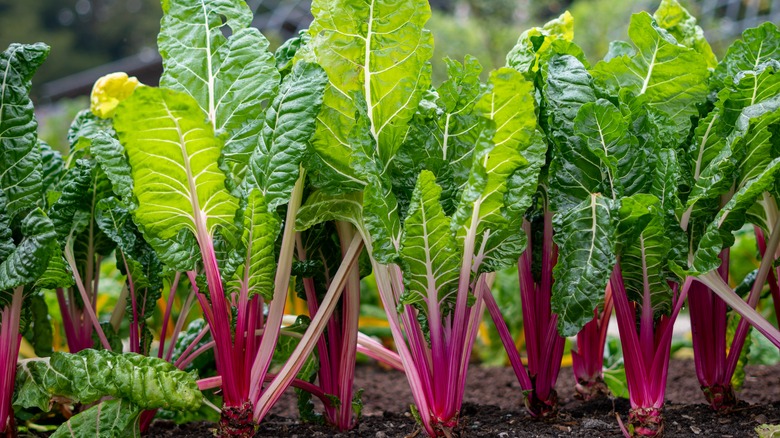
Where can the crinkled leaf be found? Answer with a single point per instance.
(173, 154)
(752, 141)
(110, 419)
(429, 250)
(382, 221)
(229, 78)
(289, 124)
(258, 237)
(533, 42)
(320, 207)
(39, 331)
(586, 255)
(52, 168)
(672, 76)
(378, 48)
(110, 156)
(719, 233)
(757, 46)
(89, 375)
(671, 16)
(20, 158)
(28, 260)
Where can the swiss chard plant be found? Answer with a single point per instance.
(621, 223)
(731, 147)
(434, 180)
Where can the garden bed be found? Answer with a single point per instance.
(493, 410)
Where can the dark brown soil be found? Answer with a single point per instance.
(492, 409)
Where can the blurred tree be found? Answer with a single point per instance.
(81, 33)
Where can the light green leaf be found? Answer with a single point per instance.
(524, 56)
(382, 221)
(586, 256)
(173, 155)
(289, 124)
(672, 76)
(109, 419)
(380, 49)
(751, 141)
(321, 207)
(229, 78)
(671, 16)
(20, 158)
(429, 250)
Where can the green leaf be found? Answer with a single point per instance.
(39, 331)
(230, 78)
(752, 142)
(757, 46)
(712, 164)
(671, 16)
(57, 273)
(719, 233)
(28, 260)
(378, 48)
(382, 221)
(52, 168)
(20, 158)
(672, 76)
(321, 207)
(110, 156)
(586, 255)
(109, 419)
(289, 124)
(260, 229)
(748, 88)
(87, 376)
(524, 56)
(441, 136)
(429, 250)
(173, 155)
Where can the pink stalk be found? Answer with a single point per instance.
(308, 341)
(774, 284)
(375, 350)
(10, 339)
(167, 315)
(588, 355)
(88, 302)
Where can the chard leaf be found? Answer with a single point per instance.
(110, 155)
(173, 155)
(25, 262)
(524, 56)
(20, 158)
(671, 16)
(672, 76)
(719, 233)
(586, 255)
(260, 229)
(110, 419)
(39, 331)
(618, 49)
(380, 49)
(757, 46)
(748, 88)
(575, 172)
(230, 79)
(57, 273)
(752, 141)
(429, 250)
(89, 375)
(712, 164)
(441, 136)
(321, 207)
(289, 124)
(601, 128)
(382, 221)
(52, 168)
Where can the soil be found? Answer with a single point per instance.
(492, 409)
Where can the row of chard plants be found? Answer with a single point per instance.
(249, 174)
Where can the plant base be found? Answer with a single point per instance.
(591, 389)
(236, 421)
(542, 409)
(721, 398)
(646, 422)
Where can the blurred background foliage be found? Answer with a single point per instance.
(90, 38)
